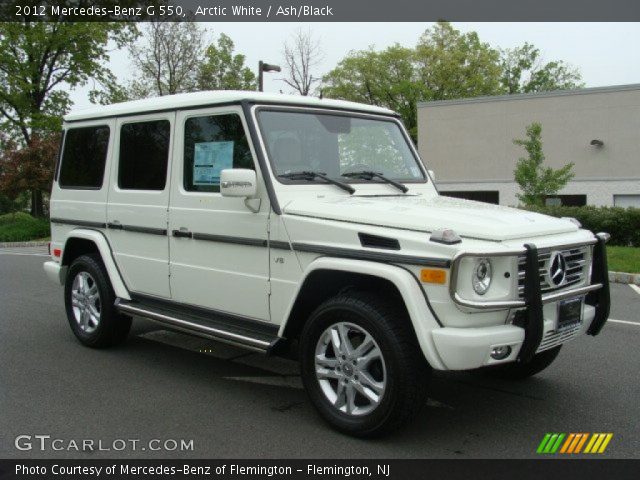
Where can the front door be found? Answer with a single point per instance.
(218, 254)
(138, 201)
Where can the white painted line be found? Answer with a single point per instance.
(626, 322)
(25, 254)
(636, 288)
(276, 381)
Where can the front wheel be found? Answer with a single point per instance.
(361, 365)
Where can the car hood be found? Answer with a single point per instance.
(467, 218)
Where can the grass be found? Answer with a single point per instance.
(624, 259)
(22, 227)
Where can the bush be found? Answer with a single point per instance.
(22, 227)
(623, 224)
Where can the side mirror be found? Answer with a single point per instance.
(432, 174)
(238, 182)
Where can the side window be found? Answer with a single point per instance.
(212, 144)
(144, 154)
(84, 156)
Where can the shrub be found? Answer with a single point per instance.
(623, 224)
(21, 227)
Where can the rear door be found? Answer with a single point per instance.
(219, 254)
(138, 202)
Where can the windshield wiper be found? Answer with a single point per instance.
(370, 175)
(310, 175)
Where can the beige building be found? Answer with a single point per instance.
(469, 143)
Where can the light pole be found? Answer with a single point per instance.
(265, 67)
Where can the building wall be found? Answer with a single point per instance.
(469, 143)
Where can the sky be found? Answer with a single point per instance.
(603, 52)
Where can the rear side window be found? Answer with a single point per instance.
(144, 154)
(84, 156)
(212, 144)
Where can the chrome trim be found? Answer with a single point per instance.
(576, 292)
(492, 304)
(503, 304)
(185, 325)
(484, 305)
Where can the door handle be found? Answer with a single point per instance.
(182, 233)
(115, 225)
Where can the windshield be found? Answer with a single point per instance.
(335, 145)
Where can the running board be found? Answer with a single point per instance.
(250, 334)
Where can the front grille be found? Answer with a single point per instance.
(554, 338)
(578, 260)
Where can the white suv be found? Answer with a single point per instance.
(292, 224)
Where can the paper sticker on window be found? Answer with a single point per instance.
(210, 158)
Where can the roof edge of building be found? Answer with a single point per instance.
(526, 96)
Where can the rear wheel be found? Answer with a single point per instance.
(89, 301)
(522, 370)
(361, 364)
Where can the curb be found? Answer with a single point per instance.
(621, 277)
(23, 244)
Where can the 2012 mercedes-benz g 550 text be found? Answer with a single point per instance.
(284, 223)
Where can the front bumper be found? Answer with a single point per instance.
(468, 348)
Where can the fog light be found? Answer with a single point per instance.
(500, 353)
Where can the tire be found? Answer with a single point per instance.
(401, 368)
(93, 319)
(522, 370)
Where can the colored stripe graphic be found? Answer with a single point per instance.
(572, 443)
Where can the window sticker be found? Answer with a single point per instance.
(210, 158)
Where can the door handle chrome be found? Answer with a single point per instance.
(115, 225)
(182, 233)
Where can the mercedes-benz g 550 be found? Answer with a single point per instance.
(283, 223)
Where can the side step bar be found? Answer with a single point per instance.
(250, 334)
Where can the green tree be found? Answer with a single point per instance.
(537, 181)
(37, 60)
(386, 79)
(445, 64)
(451, 64)
(166, 59)
(221, 69)
(524, 71)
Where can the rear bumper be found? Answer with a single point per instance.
(55, 272)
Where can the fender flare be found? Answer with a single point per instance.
(104, 249)
(422, 319)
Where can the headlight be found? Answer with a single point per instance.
(481, 276)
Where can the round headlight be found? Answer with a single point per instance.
(481, 277)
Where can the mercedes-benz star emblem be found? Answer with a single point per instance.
(557, 268)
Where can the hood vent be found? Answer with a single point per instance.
(374, 241)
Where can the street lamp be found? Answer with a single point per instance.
(265, 67)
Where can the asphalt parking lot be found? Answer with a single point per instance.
(234, 404)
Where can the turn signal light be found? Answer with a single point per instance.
(431, 275)
(57, 252)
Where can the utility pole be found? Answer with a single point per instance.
(265, 67)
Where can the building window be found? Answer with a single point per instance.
(83, 157)
(487, 196)
(144, 154)
(626, 201)
(212, 144)
(566, 200)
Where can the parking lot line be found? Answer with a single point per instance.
(635, 288)
(626, 322)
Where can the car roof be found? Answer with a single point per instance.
(212, 98)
